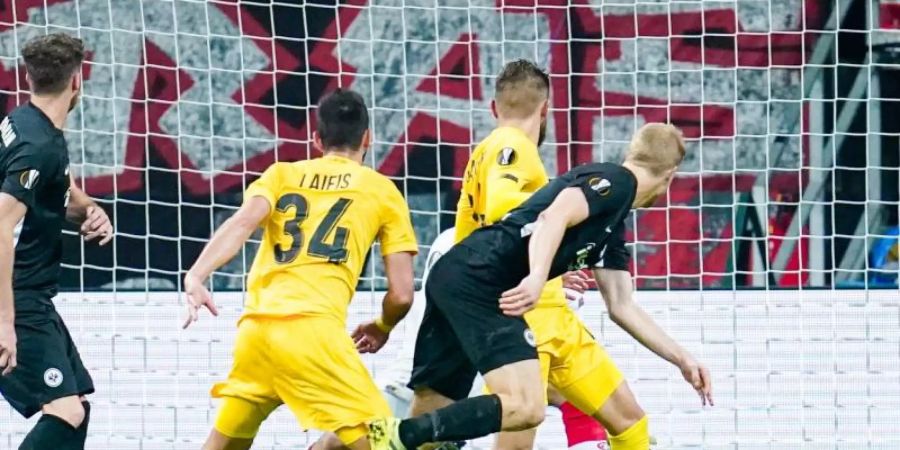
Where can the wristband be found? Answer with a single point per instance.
(385, 328)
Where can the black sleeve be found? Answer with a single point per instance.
(616, 255)
(605, 192)
(26, 168)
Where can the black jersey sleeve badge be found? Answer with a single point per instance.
(600, 185)
(28, 179)
(507, 156)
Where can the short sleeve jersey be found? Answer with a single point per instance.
(34, 168)
(598, 241)
(506, 154)
(325, 215)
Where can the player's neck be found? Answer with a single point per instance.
(646, 181)
(356, 156)
(531, 126)
(56, 108)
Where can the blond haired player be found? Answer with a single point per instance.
(320, 218)
(504, 170)
(478, 292)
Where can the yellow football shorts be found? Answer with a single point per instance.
(571, 359)
(308, 363)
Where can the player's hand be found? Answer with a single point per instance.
(96, 224)
(697, 375)
(197, 296)
(522, 298)
(577, 281)
(369, 338)
(7, 348)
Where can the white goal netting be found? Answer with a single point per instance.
(774, 257)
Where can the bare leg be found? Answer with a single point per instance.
(621, 411)
(218, 441)
(427, 400)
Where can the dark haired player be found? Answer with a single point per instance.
(42, 370)
(574, 222)
(320, 219)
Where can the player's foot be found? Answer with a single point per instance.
(384, 434)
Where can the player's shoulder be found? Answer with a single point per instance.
(26, 127)
(606, 178)
(507, 146)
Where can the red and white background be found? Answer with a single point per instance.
(187, 101)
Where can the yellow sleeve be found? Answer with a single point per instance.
(506, 181)
(267, 186)
(396, 234)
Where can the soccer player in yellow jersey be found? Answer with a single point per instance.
(502, 172)
(505, 170)
(320, 218)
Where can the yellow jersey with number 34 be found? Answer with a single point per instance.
(325, 215)
(503, 172)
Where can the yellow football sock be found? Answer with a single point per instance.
(636, 437)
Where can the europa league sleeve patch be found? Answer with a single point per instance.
(507, 156)
(28, 179)
(600, 185)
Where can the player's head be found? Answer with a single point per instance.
(658, 149)
(53, 66)
(521, 92)
(343, 123)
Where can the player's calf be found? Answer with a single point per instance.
(63, 426)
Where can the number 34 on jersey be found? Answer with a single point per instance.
(325, 215)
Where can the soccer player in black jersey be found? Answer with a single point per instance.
(41, 368)
(479, 290)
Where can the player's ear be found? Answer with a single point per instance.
(366, 138)
(545, 109)
(76, 81)
(494, 109)
(317, 142)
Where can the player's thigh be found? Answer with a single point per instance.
(586, 375)
(326, 385)
(240, 418)
(620, 411)
(440, 365)
(515, 440)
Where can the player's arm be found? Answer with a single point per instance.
(568, 209)
(84, 211)
(12, 211)
(616, 289)
(225, 243)
(507, 179)
(399, 246)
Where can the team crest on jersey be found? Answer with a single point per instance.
(507, 156)
(7, 133)
(29, 178)
(53, 377)
(600, 185)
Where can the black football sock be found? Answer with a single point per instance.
(81, 431)
(466, 419)
(50, 433)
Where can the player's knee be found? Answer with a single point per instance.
(534, 412)
(522, 413)
(69, 409)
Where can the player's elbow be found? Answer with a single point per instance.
(402, 295)
(618, 308)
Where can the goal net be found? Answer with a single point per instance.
(773, 258)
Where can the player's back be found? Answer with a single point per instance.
(326, 213)
(507, 155)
